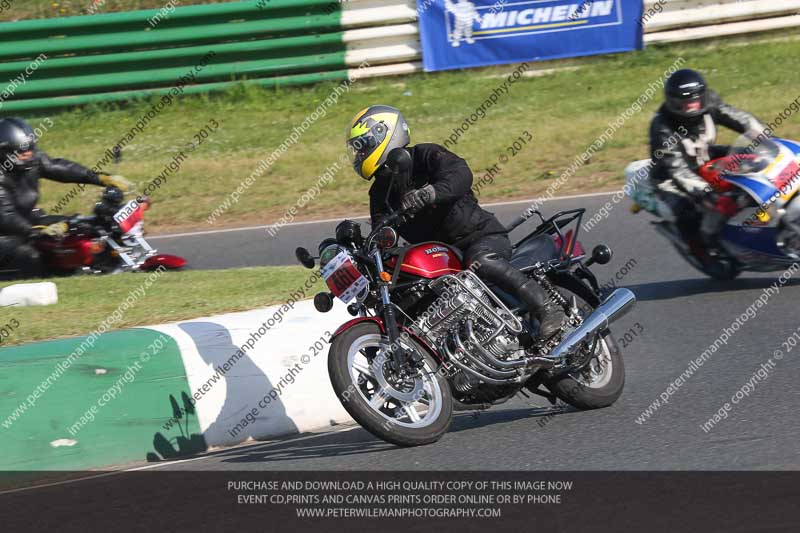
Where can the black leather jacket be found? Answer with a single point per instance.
(19, 190)
(455, 218)
(677, 153)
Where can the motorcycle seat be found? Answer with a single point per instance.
(534, 250)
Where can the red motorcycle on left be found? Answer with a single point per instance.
(109, 241)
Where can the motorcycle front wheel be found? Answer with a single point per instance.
(406, 411)
(788, 236)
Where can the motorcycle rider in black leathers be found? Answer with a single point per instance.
(682, 137)
(438, 193)
(22, 164)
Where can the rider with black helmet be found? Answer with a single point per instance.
(682, 137)
(438, 192)
(22, 164)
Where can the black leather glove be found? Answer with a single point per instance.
(417, 199)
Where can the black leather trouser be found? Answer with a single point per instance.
(491, 254)
(687, 215)
(17, 253)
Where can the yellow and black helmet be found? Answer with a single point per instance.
(373, 133)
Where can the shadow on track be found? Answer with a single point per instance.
(542, 416)
(666, 290)
(361, 442)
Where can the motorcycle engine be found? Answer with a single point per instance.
(469, 322)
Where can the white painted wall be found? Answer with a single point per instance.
(307, 404)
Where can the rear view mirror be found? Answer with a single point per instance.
(304, 257)
(398, 161)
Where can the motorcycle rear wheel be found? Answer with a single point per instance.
(410, 412)
(722, 269)
(598, 385)
(601, 382)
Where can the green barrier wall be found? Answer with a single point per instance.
(127, 428)
(119, 56)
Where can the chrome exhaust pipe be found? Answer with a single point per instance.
(614, 307)
(452, 359)
(492, 360)
(488, 371)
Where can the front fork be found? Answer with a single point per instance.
(393, 333)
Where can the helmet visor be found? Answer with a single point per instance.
(692, 105)
(359, 148)
(19, 159)
(688, 105)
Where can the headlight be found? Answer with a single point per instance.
(329, 253)
(386, 238)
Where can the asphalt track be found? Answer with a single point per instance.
(680, 313)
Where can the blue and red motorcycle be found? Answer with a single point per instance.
(754, 199)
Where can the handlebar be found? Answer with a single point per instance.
(388, 220)
(75, 224)
(394, 218)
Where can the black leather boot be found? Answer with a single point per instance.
(500, 272)
(550, 315)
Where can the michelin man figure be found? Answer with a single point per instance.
(464, 12)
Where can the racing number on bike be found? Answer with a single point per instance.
(343, 278)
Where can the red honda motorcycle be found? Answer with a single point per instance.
(430, 337)
(111, 240)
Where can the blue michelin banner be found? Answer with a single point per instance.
(471, 33)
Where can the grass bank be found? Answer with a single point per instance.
(86, 301)
(564, 110)
(38, 9)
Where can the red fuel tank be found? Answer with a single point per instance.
(428, 260)
(69, 254)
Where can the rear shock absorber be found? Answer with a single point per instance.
(554, 295)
